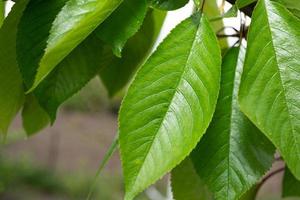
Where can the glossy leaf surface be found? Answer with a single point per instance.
(169, 104)
(73, 24)
(123, 23)
(270, 87)
(233, 154)
(11, 86)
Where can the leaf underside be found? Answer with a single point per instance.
(270, 87)
(169, 104)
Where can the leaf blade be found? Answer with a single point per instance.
(150, 112)
(229, 157)
(272, 74)
(73, 24)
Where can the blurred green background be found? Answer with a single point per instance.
(60, 163)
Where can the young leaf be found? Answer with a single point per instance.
(169, 104)
(290, 185)
(233, 154)
(270, 87)
(34, 117)
(118, 71)
(186, 184)
(36, 20)
(74, 72)
(123, 23)
(73, 24)
(167, 4)
(11, 86)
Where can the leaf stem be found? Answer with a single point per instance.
(103, 163)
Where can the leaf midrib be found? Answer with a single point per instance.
(281, 81)
(172, 98)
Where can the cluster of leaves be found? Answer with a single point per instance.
(219, 120)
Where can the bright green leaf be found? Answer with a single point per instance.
(290, 185)
(270, 86)
(167, 4)
(123, 23)
(34, 117)
(169, 104)
(233, 154)
(73, 24)
(72, 74)
(11, 86)
(186, 184)
(118, 71)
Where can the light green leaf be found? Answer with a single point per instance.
(290, 185)
(293, 5)
(73, 24)
(34, 117)
(270, 87)
(118, 71)
(169, 104)
(11, 86)
(167, 4)
(233, 154)
(186, 184)
(123, 23)
(72, 74)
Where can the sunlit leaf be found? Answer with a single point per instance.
(169, 104)
(270, 86)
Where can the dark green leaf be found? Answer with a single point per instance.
(167, 4)
(169, 104)
(186, 184)
(291, 186)
(123, 23)
(233, 154)
(270, 87)
(34, 117)
(73, 24)
(76, 70)
(243, 3)
(11, 86)
(118, 71)
(33, 32)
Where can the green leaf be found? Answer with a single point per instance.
(119, 71)
(11, 86)
(186, 184)
(2, 12)
(250, 194)
(233, 154)
(169, 104)
(73, 73)
(167, 4)
(290, 185)
(73, 24)
(36, 20)
(34, 117)
(293, 6)
(270, 87)
(243, 3)
(123, 23)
